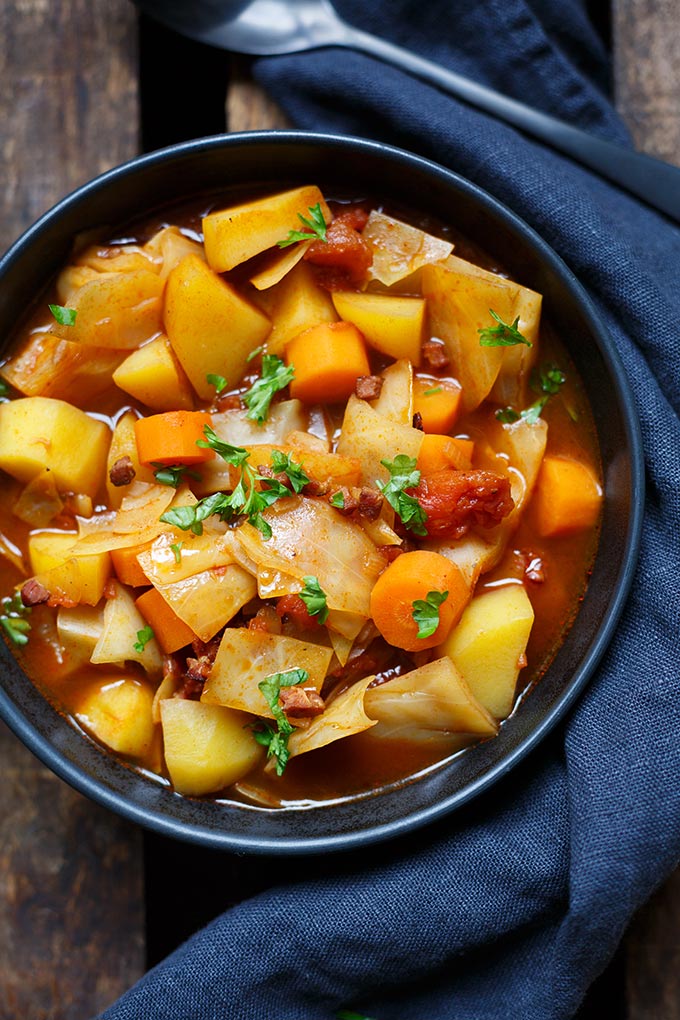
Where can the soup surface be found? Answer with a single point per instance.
(299, 496)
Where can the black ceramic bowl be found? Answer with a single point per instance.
(261, 158)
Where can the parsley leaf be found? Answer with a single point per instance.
(337, 499)
(4, 389)
(548, 380)
(314, 597)
(172, 474)
(64, 316)
(275, 376)
(12, 619)
(502, 335)
(432, 391)
(143, 637)
(276, 741)
(177, 551)
(246, 500)
(281, 462)
(403, 475)
(426, 612)
(253, 354)
(316, 227)
(218, 381)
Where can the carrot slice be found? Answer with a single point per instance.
(438, 402)
(327, 358)
(567, 497)
(171, 438)
(439, 453)
(126, 566)
(170, 632)
(409, 578)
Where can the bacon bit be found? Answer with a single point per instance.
(370, 504)
(455, 501)
(34, 593)
(122, 472)
(344, 257)
(301, 702)
(291, 607)
(350, 502)
(368, 387)
(279, 476)
(418, 421)
(207, 649)
(522, 661)
(390, 552)
(435, 353)
(315, 488)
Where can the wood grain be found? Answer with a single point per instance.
(71, 880)
(646, 36)
(249, 108)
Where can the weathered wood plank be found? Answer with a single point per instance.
(249, 108)
(71, 880)
(646, 36)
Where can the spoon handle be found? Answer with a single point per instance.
(656, 182)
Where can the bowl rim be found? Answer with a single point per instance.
(157, 821)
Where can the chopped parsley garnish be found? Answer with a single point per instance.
(314, 597)
(431, 392)
(275, 376)
(12, 619)
(502, 335)
(316, 228)
(276, 740)
(282, 464)
(177, 551)
(254, 354)
(426, 612)
(143, 637)
(245, 500)
(4, 389)
(337, 499)
(547, 381)
(218, 381)
(64, 316)
(172, 474)
(404, 476)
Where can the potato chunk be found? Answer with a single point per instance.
(40, 432)
(153, 375)
(211, 327)
(236, 234)
(117, 711)
(207, 747)
(391, 324)
(488, 646)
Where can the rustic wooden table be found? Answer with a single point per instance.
(81, 917)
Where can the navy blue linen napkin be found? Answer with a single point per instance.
(513, 906)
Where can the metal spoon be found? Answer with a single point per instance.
(270, 27)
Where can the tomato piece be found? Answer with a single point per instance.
(456, 501)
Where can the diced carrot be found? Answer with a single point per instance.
(327, 358)
(411, 577)
(170, 632)
(170, 438)
(567, 497)
(438, 401)
(439, 453)
(126, 566)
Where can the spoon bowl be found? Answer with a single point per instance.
(275, 27)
